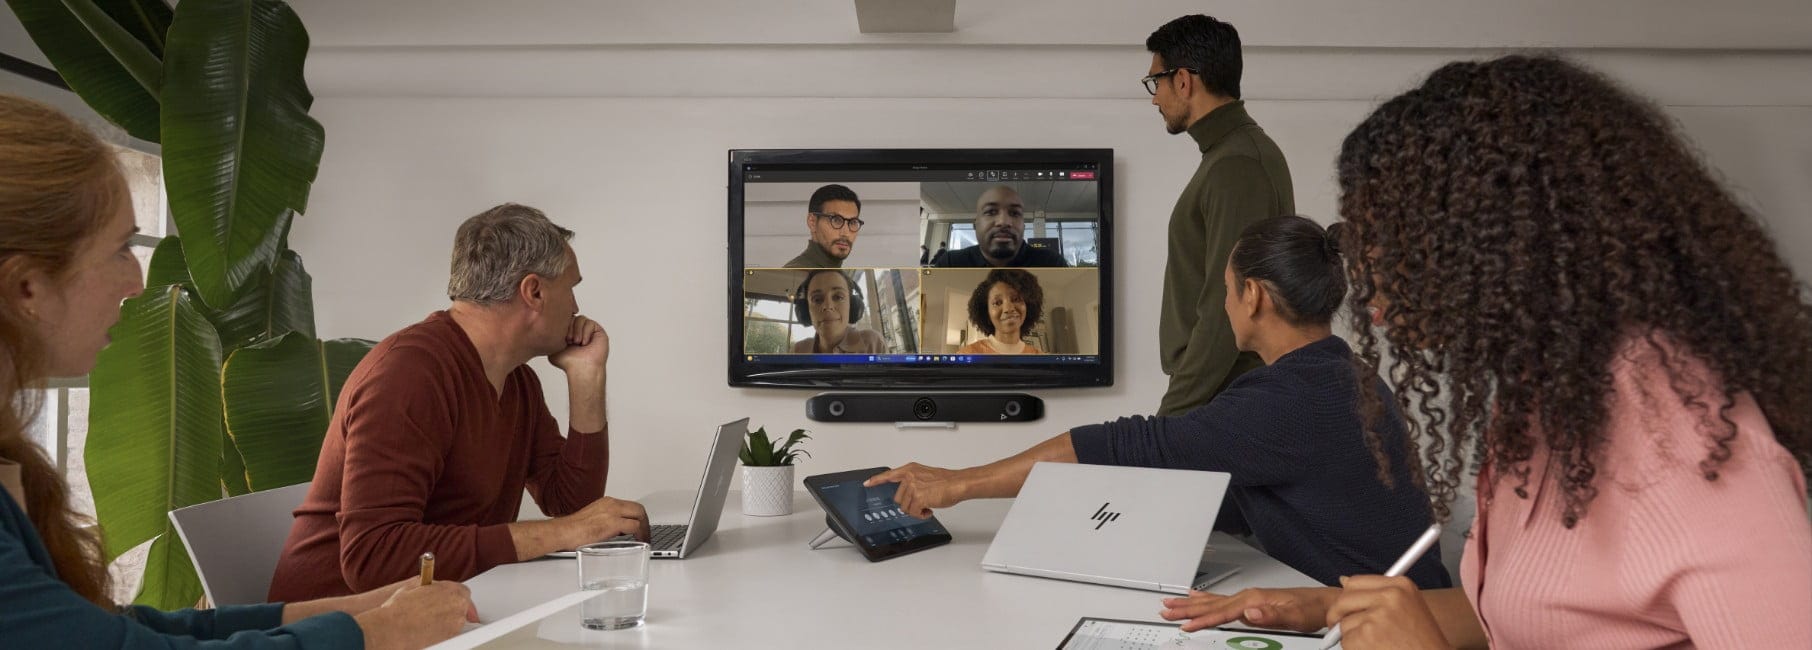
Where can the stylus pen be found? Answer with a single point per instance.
(1423, 543)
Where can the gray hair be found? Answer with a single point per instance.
(494, 251)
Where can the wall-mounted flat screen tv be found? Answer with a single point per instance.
(921, 268)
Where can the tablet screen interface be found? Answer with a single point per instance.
(872, 515)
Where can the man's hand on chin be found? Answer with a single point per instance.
(587, 349)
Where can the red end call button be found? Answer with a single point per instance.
(1082, 176)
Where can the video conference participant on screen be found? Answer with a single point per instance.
(1005, 306)
(832, 221)
(1290, 433)
(1000, 233)
(832, 303)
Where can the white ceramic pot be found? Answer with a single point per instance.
(767, 491)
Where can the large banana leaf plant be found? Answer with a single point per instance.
(215, 383)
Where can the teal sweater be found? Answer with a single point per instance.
(39, 611)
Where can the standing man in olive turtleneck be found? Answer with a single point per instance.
(1242, 178)
(832, 219)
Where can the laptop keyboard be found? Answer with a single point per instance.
(662, 537)
(667, 537)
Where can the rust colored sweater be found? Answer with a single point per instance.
(423, 455)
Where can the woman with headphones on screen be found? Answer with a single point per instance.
(1005, 307)
(831, 303)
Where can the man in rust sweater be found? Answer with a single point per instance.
(441, 427)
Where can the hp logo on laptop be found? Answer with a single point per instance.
(1103, 516)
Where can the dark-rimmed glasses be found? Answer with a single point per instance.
(838, 221)
(1151, 80)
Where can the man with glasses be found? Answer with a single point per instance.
(832, 220)
(1000, 236)
(1241, 179)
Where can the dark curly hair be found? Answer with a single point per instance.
(1021, 281)
(1521, 217)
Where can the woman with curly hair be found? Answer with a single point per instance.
(1005, 307)
(1303, 479)
(1585, 318)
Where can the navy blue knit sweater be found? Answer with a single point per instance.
(1290, 435)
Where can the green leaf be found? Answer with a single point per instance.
(154, 425)
(232, 467)
(279, 302)
(167, 265)
(785, 452)
(146, 20)
(240, 151)
(170, 580)
(761, 452)
(279, 398)
(89, 68)
(132, 54)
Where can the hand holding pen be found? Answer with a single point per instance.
(1389, 606)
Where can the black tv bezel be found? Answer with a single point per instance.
(743, 373)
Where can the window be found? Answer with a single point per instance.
(771, 328)
(962, 235)
(1079, 239)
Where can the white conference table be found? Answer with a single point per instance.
(755, 584)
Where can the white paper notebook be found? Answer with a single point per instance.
(1111, 634)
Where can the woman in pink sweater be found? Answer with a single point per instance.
(1585, 317)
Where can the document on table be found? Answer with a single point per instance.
(473, 637)
(1111, 634)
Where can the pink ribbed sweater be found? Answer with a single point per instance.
(1663, 558)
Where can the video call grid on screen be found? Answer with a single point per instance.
(894, 254)
(916, 298)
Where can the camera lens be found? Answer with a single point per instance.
(924, 408)
(836, 408)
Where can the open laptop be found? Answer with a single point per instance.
(1122, 526)
(680, 540)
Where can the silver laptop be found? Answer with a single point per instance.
(1122, 526)
(680, 540)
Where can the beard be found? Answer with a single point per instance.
(1175, 126)
(849, 247)
(1002, 250)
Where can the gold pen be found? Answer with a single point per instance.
(427, 569)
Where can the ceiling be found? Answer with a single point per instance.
(1657, 24)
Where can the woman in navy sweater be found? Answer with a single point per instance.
(1290, 433)
(65, 264)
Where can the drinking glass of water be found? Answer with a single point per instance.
(620, 569)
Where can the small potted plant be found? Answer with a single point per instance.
(767, 473)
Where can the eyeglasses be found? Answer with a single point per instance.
(1151, 80)
(838, 221)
